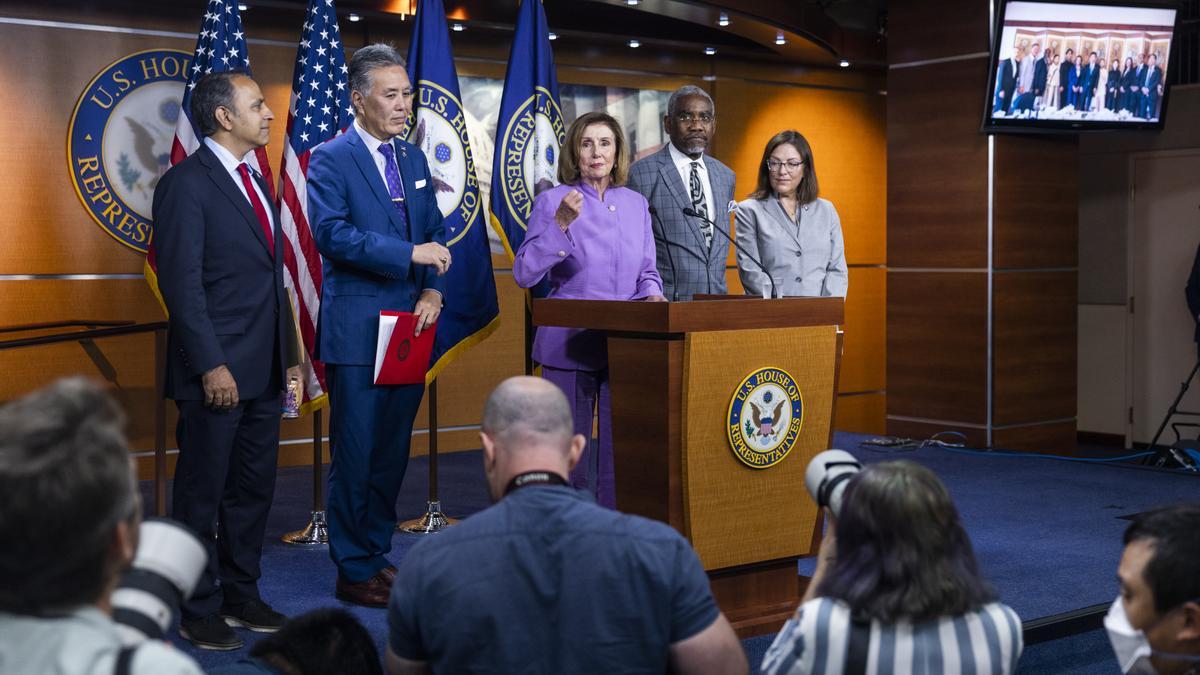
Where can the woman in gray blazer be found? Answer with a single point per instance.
(796, 235)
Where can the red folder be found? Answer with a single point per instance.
(400, 356)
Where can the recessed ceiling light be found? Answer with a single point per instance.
(723, 20)
(710, 50)
(458, 27)
(780, 39)
(552, 36)
(631, 3)
(844, 63)
(634, 44)
(243, 7)
(354, 17)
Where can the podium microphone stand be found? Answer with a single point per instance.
(433, 520)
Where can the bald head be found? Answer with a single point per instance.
(527, 426)
(526, 412)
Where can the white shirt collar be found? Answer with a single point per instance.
(682, 161)
(372, 142)
(227, 159)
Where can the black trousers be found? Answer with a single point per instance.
(224, 482)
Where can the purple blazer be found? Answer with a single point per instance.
(606, 254)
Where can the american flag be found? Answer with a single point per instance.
(319, 110)
(221, 46)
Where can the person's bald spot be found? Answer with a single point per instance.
(526, 412)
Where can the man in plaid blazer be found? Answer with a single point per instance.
(691, 255)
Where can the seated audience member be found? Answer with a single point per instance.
(69, 529)
(322, 641)
(897, 584)
(1154, 626)
(547, 581)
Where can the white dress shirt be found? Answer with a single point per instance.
(231, 164)
(684, 164)
(373, 144)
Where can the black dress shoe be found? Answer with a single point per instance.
(210, 632)
(255, 615)
(373, 592)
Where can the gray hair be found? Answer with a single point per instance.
(528, 410)
(67, 481)
(214, 90)
(370, 58)
(687, 90)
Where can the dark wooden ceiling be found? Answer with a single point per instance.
(815, 32)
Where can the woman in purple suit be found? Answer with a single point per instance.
(591, 238)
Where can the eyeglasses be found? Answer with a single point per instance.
(687, 117)
(777, 166)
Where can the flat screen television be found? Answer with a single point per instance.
(1078, 66)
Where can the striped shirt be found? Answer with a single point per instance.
(816, 641)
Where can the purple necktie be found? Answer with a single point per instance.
(394, 185)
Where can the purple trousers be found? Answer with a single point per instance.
(584, 389)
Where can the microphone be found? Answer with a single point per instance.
(689, 211)
(670, 258)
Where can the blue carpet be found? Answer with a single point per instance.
(1047, 534)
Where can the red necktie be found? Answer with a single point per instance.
(263, 219)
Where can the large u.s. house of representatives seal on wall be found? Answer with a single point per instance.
(119, 140)
(765, 416)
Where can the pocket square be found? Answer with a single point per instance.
(419, 184)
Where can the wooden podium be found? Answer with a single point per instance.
(674, 369)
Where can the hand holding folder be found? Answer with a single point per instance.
(400, 356)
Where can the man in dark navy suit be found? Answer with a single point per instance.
(231, 341)
(1151, 87)
(1041, 71)
(1091, 79)
(1064, 78)
(376, 221)
(1006, 83)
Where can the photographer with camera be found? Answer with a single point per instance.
(70, 526)
(896, 582)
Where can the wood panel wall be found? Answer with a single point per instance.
(43, 68)
(982, 252)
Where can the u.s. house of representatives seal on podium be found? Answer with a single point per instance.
(765, 416)
(119, 140)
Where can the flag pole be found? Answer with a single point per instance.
(433, 520)
(528, 340)
(316, 531)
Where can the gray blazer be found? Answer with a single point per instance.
(687, 267)
(805, 259)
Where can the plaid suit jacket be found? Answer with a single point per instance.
(686, 265)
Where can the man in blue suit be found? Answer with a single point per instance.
(1091, 79)
(230, 341)
(376, 221)
(1006, 83)
(1151, 87)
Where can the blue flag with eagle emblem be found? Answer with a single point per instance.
(438, 126)
(529, 132)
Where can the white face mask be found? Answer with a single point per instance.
(1132, 648)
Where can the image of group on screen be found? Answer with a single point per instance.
(1031, 83)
